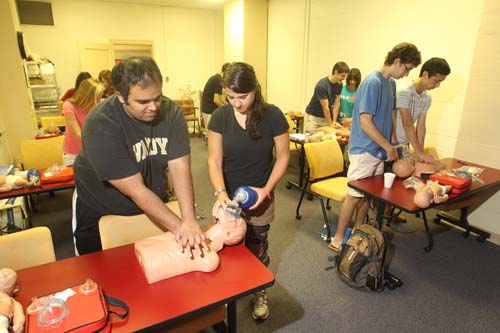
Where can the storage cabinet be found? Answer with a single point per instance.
(41, 80)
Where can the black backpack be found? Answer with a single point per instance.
(360, 262)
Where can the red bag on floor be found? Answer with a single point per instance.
(84, 313)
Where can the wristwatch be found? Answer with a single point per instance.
(216, 193)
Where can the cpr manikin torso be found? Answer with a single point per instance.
(161, 257)
(407, 167)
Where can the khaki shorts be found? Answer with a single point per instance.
(362, 166)
(263, 215)
(312, 122)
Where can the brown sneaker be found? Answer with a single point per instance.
(260, 310)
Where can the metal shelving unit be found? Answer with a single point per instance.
(41, 80)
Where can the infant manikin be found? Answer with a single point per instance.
(11, 311)
(427, 193)
(14, 182)
(161, 257)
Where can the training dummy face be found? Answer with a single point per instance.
(161, 257)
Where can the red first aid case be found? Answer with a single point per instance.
(457, 183)
(65, 175)
(85, 313)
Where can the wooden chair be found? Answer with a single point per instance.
(41, 154)
(187, 106)
(325, 161)
(26, 248)
(120, 230)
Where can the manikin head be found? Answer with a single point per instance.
(8, 281)
(423, 196)
(403, 167)
(228, 228)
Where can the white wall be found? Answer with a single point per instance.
(188, 43)
(362, 32)
(478, 135)
(16, 120)
(233, 31)
(255, 39)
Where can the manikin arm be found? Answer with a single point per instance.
(11, 311)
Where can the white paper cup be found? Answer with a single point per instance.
(389, 179)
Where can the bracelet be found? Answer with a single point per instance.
(219, 191)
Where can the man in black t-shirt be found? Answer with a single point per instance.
(212, 95)
(326, 97)
(128, 142)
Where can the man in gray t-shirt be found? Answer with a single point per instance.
(413, 102)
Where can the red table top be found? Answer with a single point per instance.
(45, 187)
(118, 272)
(403, 198)
(38, 189)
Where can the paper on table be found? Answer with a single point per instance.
(298, 136)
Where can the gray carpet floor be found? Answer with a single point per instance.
(454, 288)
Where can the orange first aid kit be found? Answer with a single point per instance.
(65, 174)
(458, 184)
(86, 309)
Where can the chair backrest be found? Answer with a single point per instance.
(26, 248)
(187, 106)
(41, 154)
(117, 230)
(291, 124)
(324, 158)
(57, 121)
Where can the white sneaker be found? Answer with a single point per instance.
(260, 309)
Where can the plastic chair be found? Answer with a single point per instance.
(325, 161)
(30, 247)
(291, 129)
(41, 154)
(187, 106)
(57, 121)
(118, 230)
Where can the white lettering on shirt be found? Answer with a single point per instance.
(149, 147)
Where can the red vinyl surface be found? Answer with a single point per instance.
(120, 276)
(403, 198)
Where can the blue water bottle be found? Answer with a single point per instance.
(245, 196)
(347, 235)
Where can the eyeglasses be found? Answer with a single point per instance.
(408, 69)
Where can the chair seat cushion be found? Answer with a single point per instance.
(332, 188)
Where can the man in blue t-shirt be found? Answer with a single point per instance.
(326, 96)
(371, 130)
